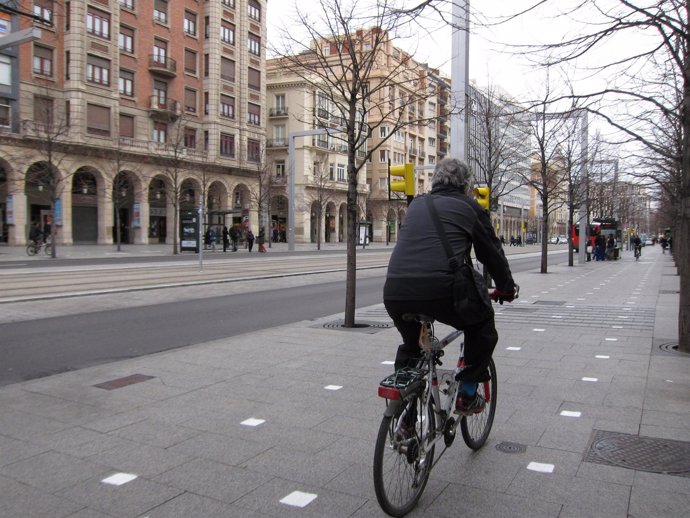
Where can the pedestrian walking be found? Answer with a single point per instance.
(261, 240)
(610, 244)
(226, 241)
(234, 237)
(250, 240)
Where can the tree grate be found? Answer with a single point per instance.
(511, 447)
(362, 326)
(650, 454)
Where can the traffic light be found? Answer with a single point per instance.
(407, 172)
(483, 197)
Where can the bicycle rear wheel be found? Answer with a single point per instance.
(49, 249)
(477, 427)
(402, 467)
(31, 249)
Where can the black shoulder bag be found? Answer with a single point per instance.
(470, 294)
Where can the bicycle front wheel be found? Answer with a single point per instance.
(31, 249)
(401, 465)
(477, 427)
(49, 249)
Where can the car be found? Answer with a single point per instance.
(554, 240)
(563, 240)
(648, 242)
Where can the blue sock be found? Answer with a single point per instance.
(469, 388)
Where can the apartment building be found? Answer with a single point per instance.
(131, 111)
(296, 104)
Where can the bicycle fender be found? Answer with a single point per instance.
(393, 408)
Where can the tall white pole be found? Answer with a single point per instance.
(459, 66)
(583, 185)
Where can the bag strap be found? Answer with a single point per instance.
(452, 258)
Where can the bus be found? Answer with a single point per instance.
(599, 227)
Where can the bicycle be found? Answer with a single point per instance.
(638, 252)
(34, 247)
(403, 461)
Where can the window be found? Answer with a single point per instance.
(254, 10)
(160, 11)
(280, 102)
(43, 110)
(43, 61)
(5, 70)
(207, 24)
(125, 39)
(44, 10)
(190, 138)
(383, 156)
(253, 150)
(227, 145)
(126, 126)
(189, 100)
(190, 23)
(227, 106)
(160, 132)
(229, 3)
(126, 83)
(254, 79)
(205, 103)
(432, 142)
(5, 113)
(254, 114)
(97, 23)
(97, 70)
(227, 32)
(190, 61)
(254, 44)
(160, 93)
(206, 64)
(127, 4)
(227, 69)
(341, 172)
(331, 172)
(160, 51)
(383, 131)
(280, 168)
(97, 120)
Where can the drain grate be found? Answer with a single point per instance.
(511, 447)
(669, 347)
(669, 292)
(640, 453)
(124, 382)
(550, 302)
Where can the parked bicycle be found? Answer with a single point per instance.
(420, 412)
(34, 247)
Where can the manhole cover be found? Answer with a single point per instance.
(511, 447)
(641, 453)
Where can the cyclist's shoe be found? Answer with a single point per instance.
(465, 405)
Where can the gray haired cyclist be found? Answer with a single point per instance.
(420, 280)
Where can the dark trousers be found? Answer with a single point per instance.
(250, 244)
(480, 338)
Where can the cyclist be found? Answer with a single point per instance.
(637, 243)
(35, 234)
(420, 280)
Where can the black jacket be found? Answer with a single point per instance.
(418, 268)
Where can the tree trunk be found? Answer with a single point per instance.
(681, 249)
(53, 230)
(118, 237)
(544, 238)
(571, 217)
(176, 226)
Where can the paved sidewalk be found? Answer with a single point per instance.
(232, 427)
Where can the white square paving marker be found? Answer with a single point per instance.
(513, 348)
(611, 339)
(387, 362)
(538, 330)
(602, 356)
(570, 413)
(119, 479)
(333, 387)
(298, 499)
(541, 468)
(253, 421)
(616, 327)
(590, 379)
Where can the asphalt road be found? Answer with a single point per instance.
(41, 347)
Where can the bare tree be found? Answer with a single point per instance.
(358, 73)
(320, 193)
(47, 133)
(267, 183)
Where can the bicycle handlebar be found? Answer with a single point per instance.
(496, 295)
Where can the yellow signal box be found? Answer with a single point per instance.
(407, 172)
(483, 197)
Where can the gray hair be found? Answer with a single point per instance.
(454, 173)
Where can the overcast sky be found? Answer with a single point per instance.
(491, 61)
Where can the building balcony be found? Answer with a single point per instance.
(442, 150)
(442, 131)
(277, 142)
(322, 143)
(164, 110)
(412, 151)
(443, 98)
(278, 112)
(162, 65)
